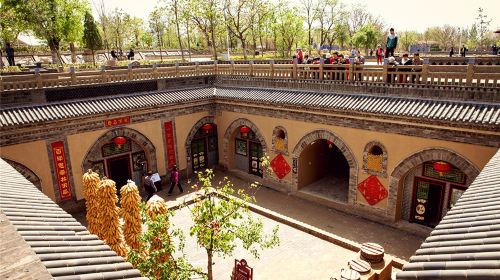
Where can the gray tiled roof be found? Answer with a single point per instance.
(454, 111)
(63, 245)
(466, 243)
(430, 109)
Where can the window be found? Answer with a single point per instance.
(375, 159)
(280, 140)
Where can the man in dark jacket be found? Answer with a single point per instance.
(149, 185)
(391, 44)
(9, 51)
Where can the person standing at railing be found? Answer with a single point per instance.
(405, 61)
(391, 44)
(328, 59)
(130, 55)
(300, 56)
(463, 50)
(379, 52)
(359, 60)
(452, 52)
(416, 61)
(9, 51)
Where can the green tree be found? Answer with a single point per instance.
(220, 221)
(407, 38)
(483, 24)
(91, 38)
(74, 12)
(287, 28)
(206, 14)
(156, 242)
(367, 36)
(48, 19)
(158, 27)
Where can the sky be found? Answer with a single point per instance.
(400, 14)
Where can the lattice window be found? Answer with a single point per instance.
(280, 140)
(375, 159)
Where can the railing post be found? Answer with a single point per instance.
(38, 78)
(129, 72)
(72, 74)
(216, 67)
(232, 67)
(350, 72)
(470, 73)
(271, 62)
(425, 73)
(384, 70)
(294, 71)
(177, 74)
(104, 74)
(321, 69)
(155, 71)
(196, 68)
(250, 63)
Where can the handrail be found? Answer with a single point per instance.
(459, 75)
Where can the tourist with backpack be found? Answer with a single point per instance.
(149, 185)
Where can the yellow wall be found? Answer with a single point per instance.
(80, 144)
(183, 125)
(399, 147)
(33, 155)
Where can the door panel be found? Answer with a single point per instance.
(427, 202)
(255, 159)
(198, 151)
(119, 170)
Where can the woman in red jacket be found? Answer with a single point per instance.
(380, 54)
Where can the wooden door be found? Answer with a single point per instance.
(119, 170)
(198, 150)
(427, 202)
(255, 157)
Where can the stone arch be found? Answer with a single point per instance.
(285, 140)
(340, 144)
(367, 150)
(26, 172)
(229, 132)
(418, 158)
(190, 137)
(130, 133)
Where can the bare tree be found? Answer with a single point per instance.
(309, 10)
(326, 14)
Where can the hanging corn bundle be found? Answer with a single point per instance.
(131, 214)
(110, 228)
(91, 183)
(156, 206)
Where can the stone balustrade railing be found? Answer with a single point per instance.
(456, 75)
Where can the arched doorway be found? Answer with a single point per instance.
(324, 170)
(26, 172)
(325, 166)
(121, 154)
(204, 148)
(244, 147)
(425, 194)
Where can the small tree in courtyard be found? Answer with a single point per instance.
(220, 221)
(91, 37)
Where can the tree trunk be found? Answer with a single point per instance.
(72, 48)
(213, 39)
(178, 31)
(261, 47)
(189, 44)
(244, 47)
(93, 57)
(54, 49)
(209, 265)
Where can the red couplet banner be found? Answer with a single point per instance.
(61, 170)
(169, 138)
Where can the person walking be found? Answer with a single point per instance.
(130, 55)
(463, 50)
(174, 180)
(149, 185)
(391, 44)
(9, 51)
(379, 52)
(452, 52)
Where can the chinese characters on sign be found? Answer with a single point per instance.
(61, 170)
(169, 138)
(242, 271)
(117, 121)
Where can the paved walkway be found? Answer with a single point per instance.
(396, 242)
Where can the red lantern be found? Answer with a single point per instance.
(441, 167)
(206, 127)
(119, 141)
(330, 144)
(245, 130)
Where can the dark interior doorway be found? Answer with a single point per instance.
(427, 202)
(119, 170)
(324, 170)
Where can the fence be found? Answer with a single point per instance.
(459, 75)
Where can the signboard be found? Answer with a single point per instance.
(242, 271)
(155, 177)
(170, 144)
(117, 121)
(61, 170)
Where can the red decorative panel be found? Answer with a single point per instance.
(61, 170)
(170, 144)
(280, 166)
(117, 121)
(242, 271)
(373, 191)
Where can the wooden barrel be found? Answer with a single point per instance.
(360, 266)
(349, 274)
(372, 252)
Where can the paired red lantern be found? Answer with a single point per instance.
(207, 127)
(245, 130)
(441, 167)
(119, 141)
